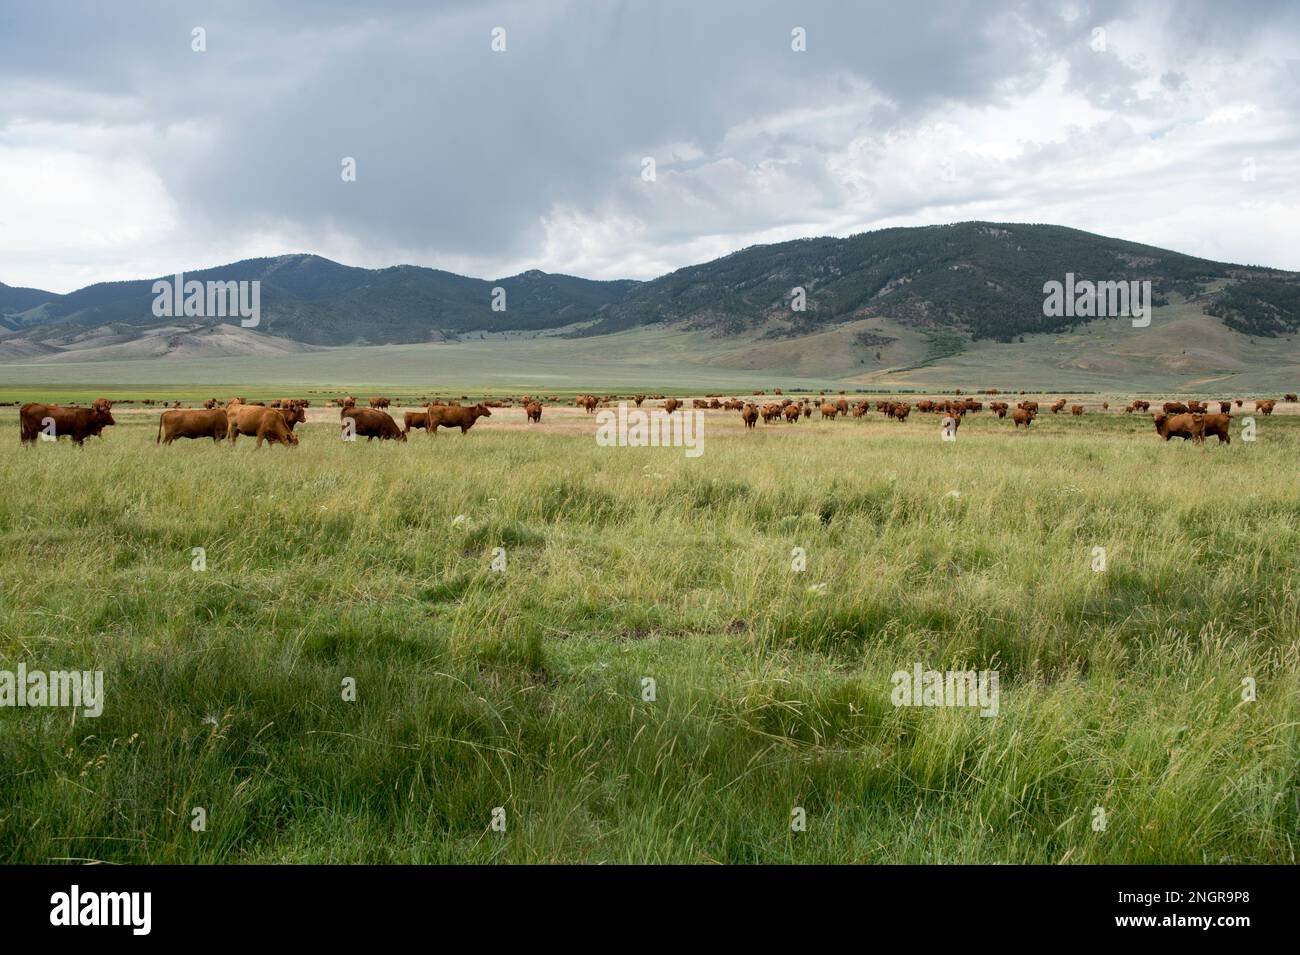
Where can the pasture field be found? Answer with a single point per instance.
(1121, 689)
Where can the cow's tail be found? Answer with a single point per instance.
(158, 440)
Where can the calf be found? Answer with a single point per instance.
(534, 412)
(1023, 416)
(415, 420)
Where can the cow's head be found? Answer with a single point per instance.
(482, 410)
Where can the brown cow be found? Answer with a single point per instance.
(1058, 405)
(456, 416)
(209, 423)
(792, 413)
(534, 412)
(210, 404)
(1023, 416)
(670, 405)
(1290, 396)
(293, 414)
(1174, 407)
(414, 420)
(267, 424)
(749, 414)
(1076, 410)
(1265, 407)
(371, 423)
(77, 423)
(828, 411)
(1225, 407)
(842, 407)
(1194, 426)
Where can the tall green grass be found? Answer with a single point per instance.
(524, 689)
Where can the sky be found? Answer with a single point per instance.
(125, 152)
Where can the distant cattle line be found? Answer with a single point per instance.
(274, 423)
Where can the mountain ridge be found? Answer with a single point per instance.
(955, 284)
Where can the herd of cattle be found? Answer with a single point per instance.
(274, 423)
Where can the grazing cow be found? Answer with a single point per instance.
(414, 420)
(1290, 396)
(379, 402)
(749, 414)
(1174, 407)
(828, 411)
(899, 410)
(293, 414)
(670, 405)
(267, 424)
(926, 405)
(1196, 407)
(1265, 407)
(209, 423)
(1194, 426)
(455, 416)
(534, 412)
(77, 423)
(842, 406)
(1023, 416)
(999, 408)
(807, 411)
(1058, 405)
(1028, 406)
(792, 413)
(371, 423)
(1076, 410)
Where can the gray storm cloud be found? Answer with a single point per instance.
(125, 153)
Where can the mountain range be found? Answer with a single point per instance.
(940, 288)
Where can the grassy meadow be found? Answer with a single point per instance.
(523, 688)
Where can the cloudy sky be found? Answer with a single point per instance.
(125, 153)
